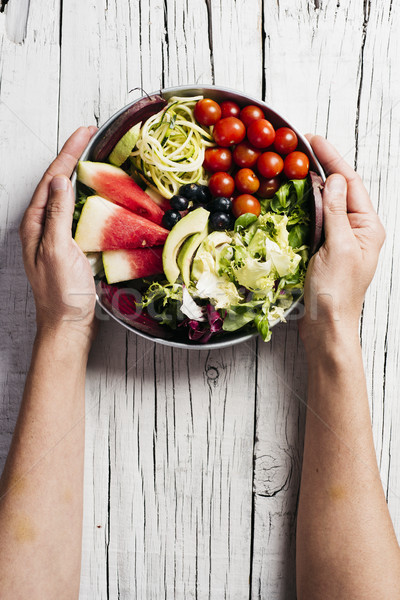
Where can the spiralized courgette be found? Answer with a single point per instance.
(171, 146)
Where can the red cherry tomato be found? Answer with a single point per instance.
(217, 159)
(268, 187)
(207, 112)
(285, 140)
(260, 133)
(229, 131)
(245, 204)
(229, 109)
(245, 155)
(296, 165)
(270, 164)
(246, 181)
(221, 184)
(251, 113)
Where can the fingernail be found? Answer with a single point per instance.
(336, 183)
(59, 183)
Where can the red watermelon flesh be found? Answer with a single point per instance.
(115, 185)
(123, 265)
(107, 226)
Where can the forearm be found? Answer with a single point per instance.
(346, 545)
(41, 489)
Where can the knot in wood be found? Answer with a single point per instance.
(272, 473)
(212, 373)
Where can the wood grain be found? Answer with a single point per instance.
(29, 87)
(193, 458)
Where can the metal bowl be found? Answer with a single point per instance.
(218, 94)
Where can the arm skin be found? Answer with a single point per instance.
(346, 545)
(41, 489)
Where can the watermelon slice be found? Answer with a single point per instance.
(157, 198)
(107, 226)
(123, 265)
(115, 185)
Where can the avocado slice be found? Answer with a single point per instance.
(193, 222)
(187, 252)
(125, 146)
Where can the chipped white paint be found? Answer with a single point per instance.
(193, 459)
(17, 21)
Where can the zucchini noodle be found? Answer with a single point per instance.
(171, 146)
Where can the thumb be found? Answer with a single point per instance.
(336, 221)
(59, 210)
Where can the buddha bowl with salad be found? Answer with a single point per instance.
(198, 210)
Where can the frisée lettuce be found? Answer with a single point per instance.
(247, 277)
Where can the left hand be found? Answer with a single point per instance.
(58, 271)
(340, 272)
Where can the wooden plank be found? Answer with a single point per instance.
(29, 66)
(378, 138)
(169, 433)
(279, 439)
(209, 553)
(311, 73)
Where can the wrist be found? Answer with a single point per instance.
(70, 340)
(330, 339)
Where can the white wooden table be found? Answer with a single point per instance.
(193, 458)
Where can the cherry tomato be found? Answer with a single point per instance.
(268, 187)
(260, 133)
(221, 184)
(246, 181)
(245, 204)
(270, 164)
(245, 155)
(285, 140)
(207, 112)
(229, 131)
(217, 159)
(296, 165)
(251, 113)
(229, 109)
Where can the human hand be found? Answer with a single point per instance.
(58, 271)
(341, 271)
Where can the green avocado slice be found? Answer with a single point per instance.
(187, 252)
(125, 146)
(193, 222)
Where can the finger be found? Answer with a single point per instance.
(64, 164)
(358, 199)
(31, 228)
(59, 212)
(336, 221)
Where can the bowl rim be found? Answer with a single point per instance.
(197, 90)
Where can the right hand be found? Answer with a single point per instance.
(340, 272)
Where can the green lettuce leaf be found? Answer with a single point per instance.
(299, 235)
(163, 302)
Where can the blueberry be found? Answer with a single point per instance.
(204, 194)
(220, 204)
(220, 221)
(170, 218)
(179, 203)
(199, 194)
